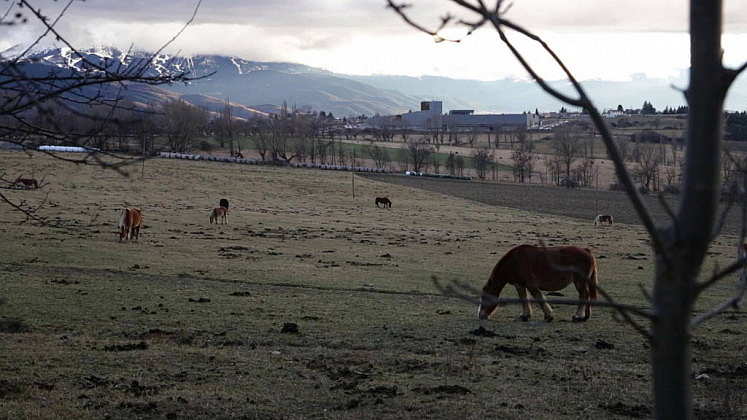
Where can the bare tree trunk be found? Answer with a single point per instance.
(688, 241)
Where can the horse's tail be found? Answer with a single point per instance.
(593, 280)
(138, 218)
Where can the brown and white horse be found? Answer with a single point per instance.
(130, 222)
(535, 268)
(603, 219)
(219, 212)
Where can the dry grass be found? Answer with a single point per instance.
(187, 321)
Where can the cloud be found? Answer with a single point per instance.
(363, 37)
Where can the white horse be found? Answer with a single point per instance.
(603, 218)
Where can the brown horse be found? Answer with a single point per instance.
(130, 222)
(219, 212)
(383, 200)
(26, 182)
(534, 268)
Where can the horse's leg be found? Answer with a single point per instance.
(526, 307)
(583, 311)
(537, 294)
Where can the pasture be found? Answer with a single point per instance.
(312, 304)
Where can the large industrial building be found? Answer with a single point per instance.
(431, 117)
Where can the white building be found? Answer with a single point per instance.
(431, 116)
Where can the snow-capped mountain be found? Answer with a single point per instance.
(243, 81)
(197, 66)
(250, 83)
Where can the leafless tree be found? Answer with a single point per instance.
(261, 136)
(379, 155)
(436, 163)
(451, 163)
(403, 157)
(680, 248)
(472, 136)
(567, 147)
(418, 152)
(183, 123)
(523, 158)
(439, 134)
(405, 135)
(459, 163)
(623, 145)
(225, 128)
(481, 160)
(554, 167)
(649, 162)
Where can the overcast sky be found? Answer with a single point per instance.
(599, 39)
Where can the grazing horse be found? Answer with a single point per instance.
(26, 182)
(603, 218)
(534, 268)
(223, 203)
(130, 222)
(385, 201)
(219, 212)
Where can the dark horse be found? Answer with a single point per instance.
(535, 268)
(26, 182)
(385, 201)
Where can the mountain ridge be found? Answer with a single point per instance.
(248, 82)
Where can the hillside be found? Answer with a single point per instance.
(248, 82)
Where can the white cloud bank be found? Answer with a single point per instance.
(599, 39)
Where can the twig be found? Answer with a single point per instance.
(28, 212)
(730, 269)
(624, 312)
(450, 290)
(730, 75)
(732, 302)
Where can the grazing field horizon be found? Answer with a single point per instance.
(310, 303)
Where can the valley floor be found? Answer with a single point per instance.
(190, 321)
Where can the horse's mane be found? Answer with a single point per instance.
(492, 285)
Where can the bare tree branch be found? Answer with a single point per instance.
(29, 212)
(730, 269)
(732, 302)
(467, 292)
(730, 75)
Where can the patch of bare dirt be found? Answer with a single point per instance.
(127, 347)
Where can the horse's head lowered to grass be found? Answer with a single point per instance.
(538, 269)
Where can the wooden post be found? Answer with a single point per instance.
(142, 168)
(352, 177)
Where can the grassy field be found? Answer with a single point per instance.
(190, 320)
(580, 203)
